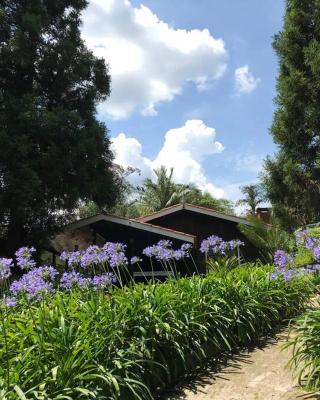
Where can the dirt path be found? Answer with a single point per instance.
(257, 375)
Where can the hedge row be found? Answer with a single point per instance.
(133, 343)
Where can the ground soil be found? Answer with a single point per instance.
(257, 374)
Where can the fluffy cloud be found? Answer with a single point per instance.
(149, 60)
(245, 82)
(184, 148)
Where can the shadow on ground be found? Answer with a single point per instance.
(220, 368)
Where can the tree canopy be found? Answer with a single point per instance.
(53, 151)
(291, 178)
(252, 198)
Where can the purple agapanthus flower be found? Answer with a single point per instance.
(73, 257)
(186, 247)
(179, 254)
(286, 274)
(281, 258)
(10, 301)
(304, 238)
(34, 283)
(214, 245)
(5, 268)
(234, 244)
(115, 254)
(24, 257)
(73, 279)
(91, 256)
(148, 251)
(135, 260)
(316, 252)
(103, 281)
(163, 251)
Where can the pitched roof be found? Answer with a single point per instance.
(198, 209)
(141, 225)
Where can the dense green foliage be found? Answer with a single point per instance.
(164, 192)
(156, 194)
(304, 257)
(267, 238)
(53, 151)
(132, 343)
(306, 346)
(292, 177)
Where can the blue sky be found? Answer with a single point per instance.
(240, 116)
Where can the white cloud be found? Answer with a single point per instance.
(184, 149)
(149, 60)
(245, 82)
(250, 163)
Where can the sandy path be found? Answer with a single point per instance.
(260, 374)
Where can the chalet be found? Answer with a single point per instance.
(201, 222)
(182, 223)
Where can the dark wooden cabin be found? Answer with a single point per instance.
(182, 223)
(136, 235)
(202, 222)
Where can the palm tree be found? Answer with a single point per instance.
(164, 192)
(252, 198)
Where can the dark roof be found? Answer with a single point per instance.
(141, 225)
(190, 207)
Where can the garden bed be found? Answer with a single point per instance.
(134, 342)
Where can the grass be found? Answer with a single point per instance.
(133, 343)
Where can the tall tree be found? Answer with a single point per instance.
(161, 193)
(205, 199)
(164, 192)
(292, 178)
(53, 151)
(252, 198)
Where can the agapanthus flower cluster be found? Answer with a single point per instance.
(24, 257)
(303, 238)
(10, 301)
(93, 255)
(111, 253)
(135, 260)
(115, 253)
(282, 259)
(72, 257)
(163, 251)
(72, 279)
(215, 245)
(104, 281)
(288, 274)
(35, 282)
(5, 268)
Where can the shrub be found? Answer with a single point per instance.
(306, 350)
(304, 257)
(315, 232)
(267, 238)
(132, 343)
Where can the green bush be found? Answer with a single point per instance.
(303, 257)
(306, 349)
(267, 238)
(134, 342)
(314, 232)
